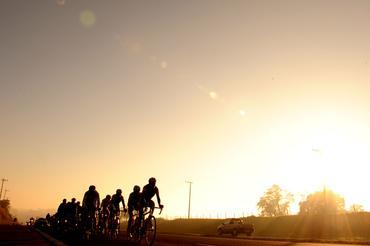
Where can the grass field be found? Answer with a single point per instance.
(341, 227)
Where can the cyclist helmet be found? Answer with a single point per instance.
(136, 189)
(152, 180)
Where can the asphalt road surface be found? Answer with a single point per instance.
(165, 240)
(21, 235)
(194, 240)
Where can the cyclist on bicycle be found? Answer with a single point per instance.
(71, 209)
(91, 202)
(133, 204)
(105, 205)
(116, 200)
(104, 212)
(149, 191)
(62, 210)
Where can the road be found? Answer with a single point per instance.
(166, 240)
(21, 235)
(195, 240)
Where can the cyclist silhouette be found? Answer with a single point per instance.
(71, 211)
(133, 204)
(116, 200)
(90, 204)
(91, 200)
(148, 192)
(105, 203)
(62, 210)
(104, 214)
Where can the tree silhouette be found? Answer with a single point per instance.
(322, 202)
(275, 202)
(356, 208)
(5, 216)
(5, 204)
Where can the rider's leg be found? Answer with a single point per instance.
(151, 206)
(93, 218)
(130, 215)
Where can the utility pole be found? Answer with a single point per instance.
(190, 183)
(5, 193)
(2, 185)
(326, 200)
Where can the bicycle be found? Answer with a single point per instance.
(114, 225)
(144, 227)
(90, 224)
(103, 223)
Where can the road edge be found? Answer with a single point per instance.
(51, 239)
(293, 240)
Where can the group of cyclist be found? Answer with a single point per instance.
(109, 208)
(68, 211)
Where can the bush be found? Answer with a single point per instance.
(5, 217)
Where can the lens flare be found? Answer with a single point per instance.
(61, 2)
(87, 18)
(213, 95)
(164, 64)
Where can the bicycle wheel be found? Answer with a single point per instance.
(150, 230)
(115, 228)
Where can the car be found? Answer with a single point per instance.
(234, 227)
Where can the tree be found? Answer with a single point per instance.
(5, 204)
(275, 202)
(356, 208)
(322, 202)
(5, 216)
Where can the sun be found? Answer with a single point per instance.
(333, 155)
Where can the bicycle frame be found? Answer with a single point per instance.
(139, 226)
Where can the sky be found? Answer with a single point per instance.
(233, 95)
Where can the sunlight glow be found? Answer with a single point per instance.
(330, 155)
(111, 94)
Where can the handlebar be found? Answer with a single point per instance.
(160, 209)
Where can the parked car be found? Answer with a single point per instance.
(234, 227)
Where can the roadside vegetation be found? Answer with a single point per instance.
(322, 216)
(5, 217)
(335, 227)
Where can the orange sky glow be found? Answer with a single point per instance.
(232, 95)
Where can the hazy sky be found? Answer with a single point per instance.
(233, 95)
